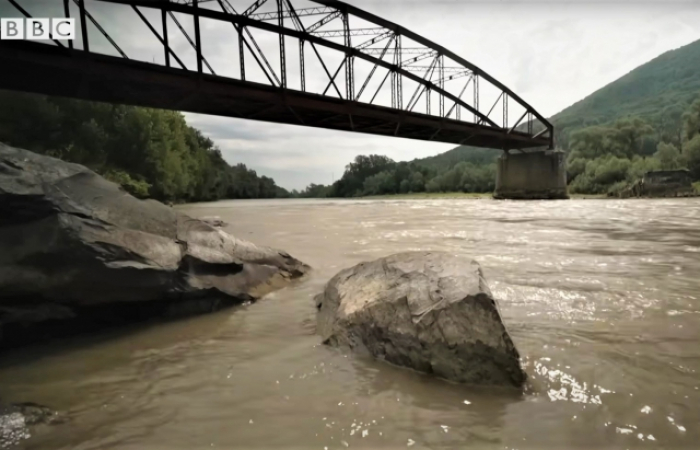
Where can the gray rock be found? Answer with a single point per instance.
(429, 311)
(71, 238)
(214, 221)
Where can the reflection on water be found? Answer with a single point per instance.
(601, 298)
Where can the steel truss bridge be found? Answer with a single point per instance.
(320, 63)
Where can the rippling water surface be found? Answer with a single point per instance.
(600, 296)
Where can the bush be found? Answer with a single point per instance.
(691, 152)
(668, 156)
(640, 166)
(607, 171)
(575, 167)
(433, 185)
(617, 187)
(137, 188)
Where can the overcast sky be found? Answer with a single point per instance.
(552, 53)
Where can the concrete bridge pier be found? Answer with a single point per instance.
(536, 175)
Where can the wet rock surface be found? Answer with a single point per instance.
(429, 311)
(76, 249)
(214, 221)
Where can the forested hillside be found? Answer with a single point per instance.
(150, 152)
(658, 92)
(463, 153)
(378, 175)
(646, 120)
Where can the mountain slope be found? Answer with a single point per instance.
(658, 91)
(653, 90)
(445, 161)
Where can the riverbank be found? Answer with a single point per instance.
(429, 195)
(461, 195)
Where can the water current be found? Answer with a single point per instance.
(600, 296)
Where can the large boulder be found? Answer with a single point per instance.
(429, 311)
(72, 241)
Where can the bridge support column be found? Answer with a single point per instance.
(536, 175)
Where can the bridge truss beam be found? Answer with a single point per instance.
(407, 62)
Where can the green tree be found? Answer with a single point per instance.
(627, 136)
(417, 182)
(575, 165)
(641, 166)
(433, 185)
(691, 121)
(671, 125)
(314, 191)
(692, 156)
(668, 156)
(351, 184)
(150, 152)
(380, 184)
(589, 142)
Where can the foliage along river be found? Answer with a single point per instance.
(600, 296)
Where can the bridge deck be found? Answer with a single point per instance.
(45, 69)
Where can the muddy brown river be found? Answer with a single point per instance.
(601, 298)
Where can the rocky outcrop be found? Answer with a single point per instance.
(429, 311)
(74, 245)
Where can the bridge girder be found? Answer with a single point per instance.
(390, 48)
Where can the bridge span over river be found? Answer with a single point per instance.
(316, 63)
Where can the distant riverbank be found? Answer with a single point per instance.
(419, 195)
(460, 195)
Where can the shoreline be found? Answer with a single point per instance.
(463, 195)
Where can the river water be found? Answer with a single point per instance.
(600, 297)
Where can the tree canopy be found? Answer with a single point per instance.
(601, 159)
(150, 152)
(658, 92)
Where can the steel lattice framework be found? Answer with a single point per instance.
(407, 86)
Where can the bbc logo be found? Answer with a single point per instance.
(37, 29)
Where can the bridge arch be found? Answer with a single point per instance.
(458, 96)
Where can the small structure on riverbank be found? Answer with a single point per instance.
(660, 183)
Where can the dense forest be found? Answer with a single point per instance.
(379, 175)
(658, 92)
(647, 120)
(150, 152)
(604, 159)
(601, 159)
